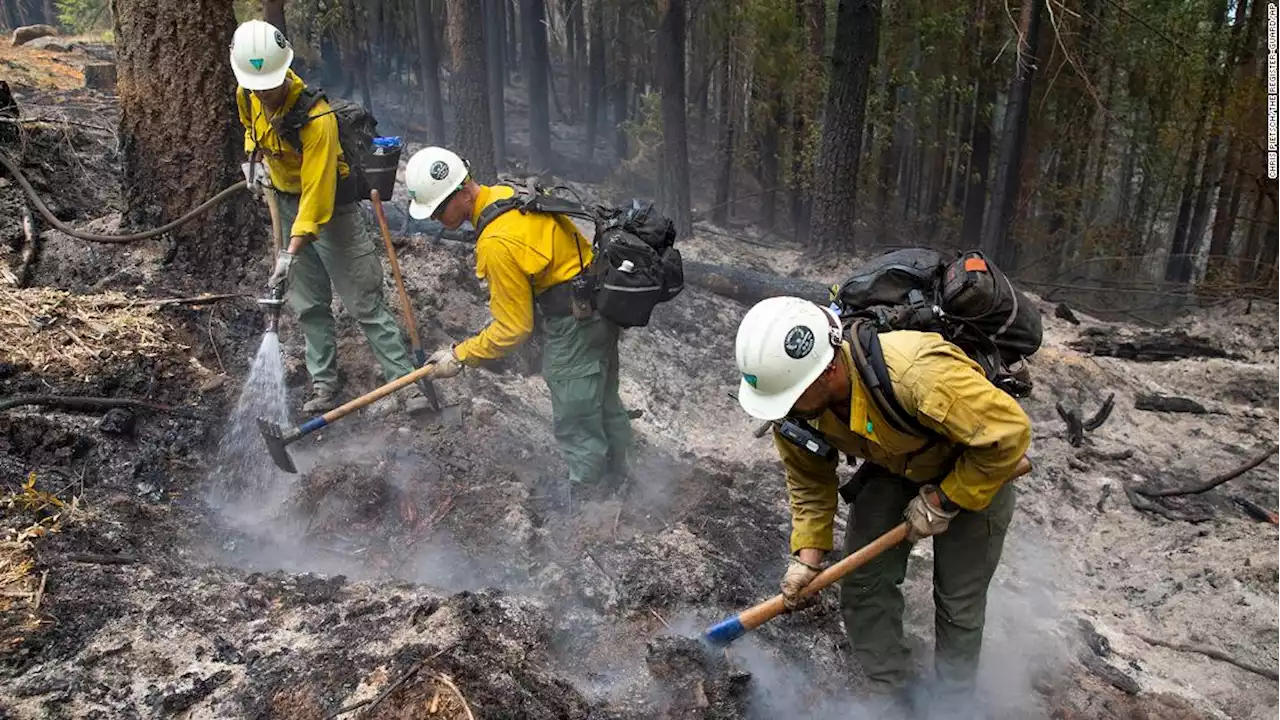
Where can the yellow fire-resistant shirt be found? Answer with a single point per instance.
(947, 392)
(521, 255)
(311, 171)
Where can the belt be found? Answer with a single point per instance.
(556, 301)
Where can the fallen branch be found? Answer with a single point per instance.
(72, 402)
(1103, 413)
(374, 702)
(1075, 428)
(162, 302)
(1215, 482)
(95, 559)
(461, 698)
(1210, 653)
(1143, 504)
(1155, 402)
(1256, 511)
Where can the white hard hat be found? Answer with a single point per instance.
(432, 175)
(260, 56)
(783, 345)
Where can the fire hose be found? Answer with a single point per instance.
(62, 227)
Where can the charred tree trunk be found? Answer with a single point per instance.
(576, 36)
(997, 241)
(595, 82)
(1179, 265)
(538, 66)
(770, 152)
(468, 88)
(673, 181)
(273, 12)
(727, 113)
(813, 22)
(836, 182)
(494, 26)
(429, 72)
(357, 32)
(620, 92)
(512, 51)
(199, 129)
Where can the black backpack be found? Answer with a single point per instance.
(965, 298)
(356, 130)
(635, 265)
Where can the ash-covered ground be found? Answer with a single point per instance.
(451, 562)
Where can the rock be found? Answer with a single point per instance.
(117, 421)
(53, 44)
(101, 76)
(213, 383)
(1063, 312)
(27, 33)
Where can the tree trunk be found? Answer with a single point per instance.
(273, 12)
(622, 44)
(468, 88)
(199, 130)
(360, 54)
(812, 15)
(595, 84)
(1220, 266)
(891, 158)
(1179, 265)
(673, 181)
(997, 242)
(429, 73)
(836, 182)
(769, 155)
(494, 28)
(576, 36)
(512, 53)
(537, 68)
(727, 112)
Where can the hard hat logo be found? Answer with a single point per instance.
(750, 379)
(439, 170)
(280, 39)
(256, 63)
(799, 342)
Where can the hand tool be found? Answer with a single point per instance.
(279, 437)
(428, 389)
(726, 631)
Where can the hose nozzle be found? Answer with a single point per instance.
(271, 306)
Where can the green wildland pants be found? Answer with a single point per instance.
(964, 559)
(342, 258)
(580, 365)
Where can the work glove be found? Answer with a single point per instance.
(284, 261)
(447, 364)
(799, 574)
(255, 175)
(924, 516)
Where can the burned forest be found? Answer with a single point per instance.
(616, 360)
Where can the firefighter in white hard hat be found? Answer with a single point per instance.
(529, 261)
(293, 131)
(940, 458)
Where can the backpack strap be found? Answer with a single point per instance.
(868, 359)
(300, 114)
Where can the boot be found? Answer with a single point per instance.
(323, 399)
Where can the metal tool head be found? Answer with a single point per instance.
(274, 436)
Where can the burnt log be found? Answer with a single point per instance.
(1147, 345)
(748, 286)
(1156, 402)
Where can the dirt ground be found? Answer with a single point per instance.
(431, 570)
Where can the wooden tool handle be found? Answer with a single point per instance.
(755, 616)
(407, 306)
(375, 395)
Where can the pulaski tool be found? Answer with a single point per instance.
(726, 631)
(279, 437)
